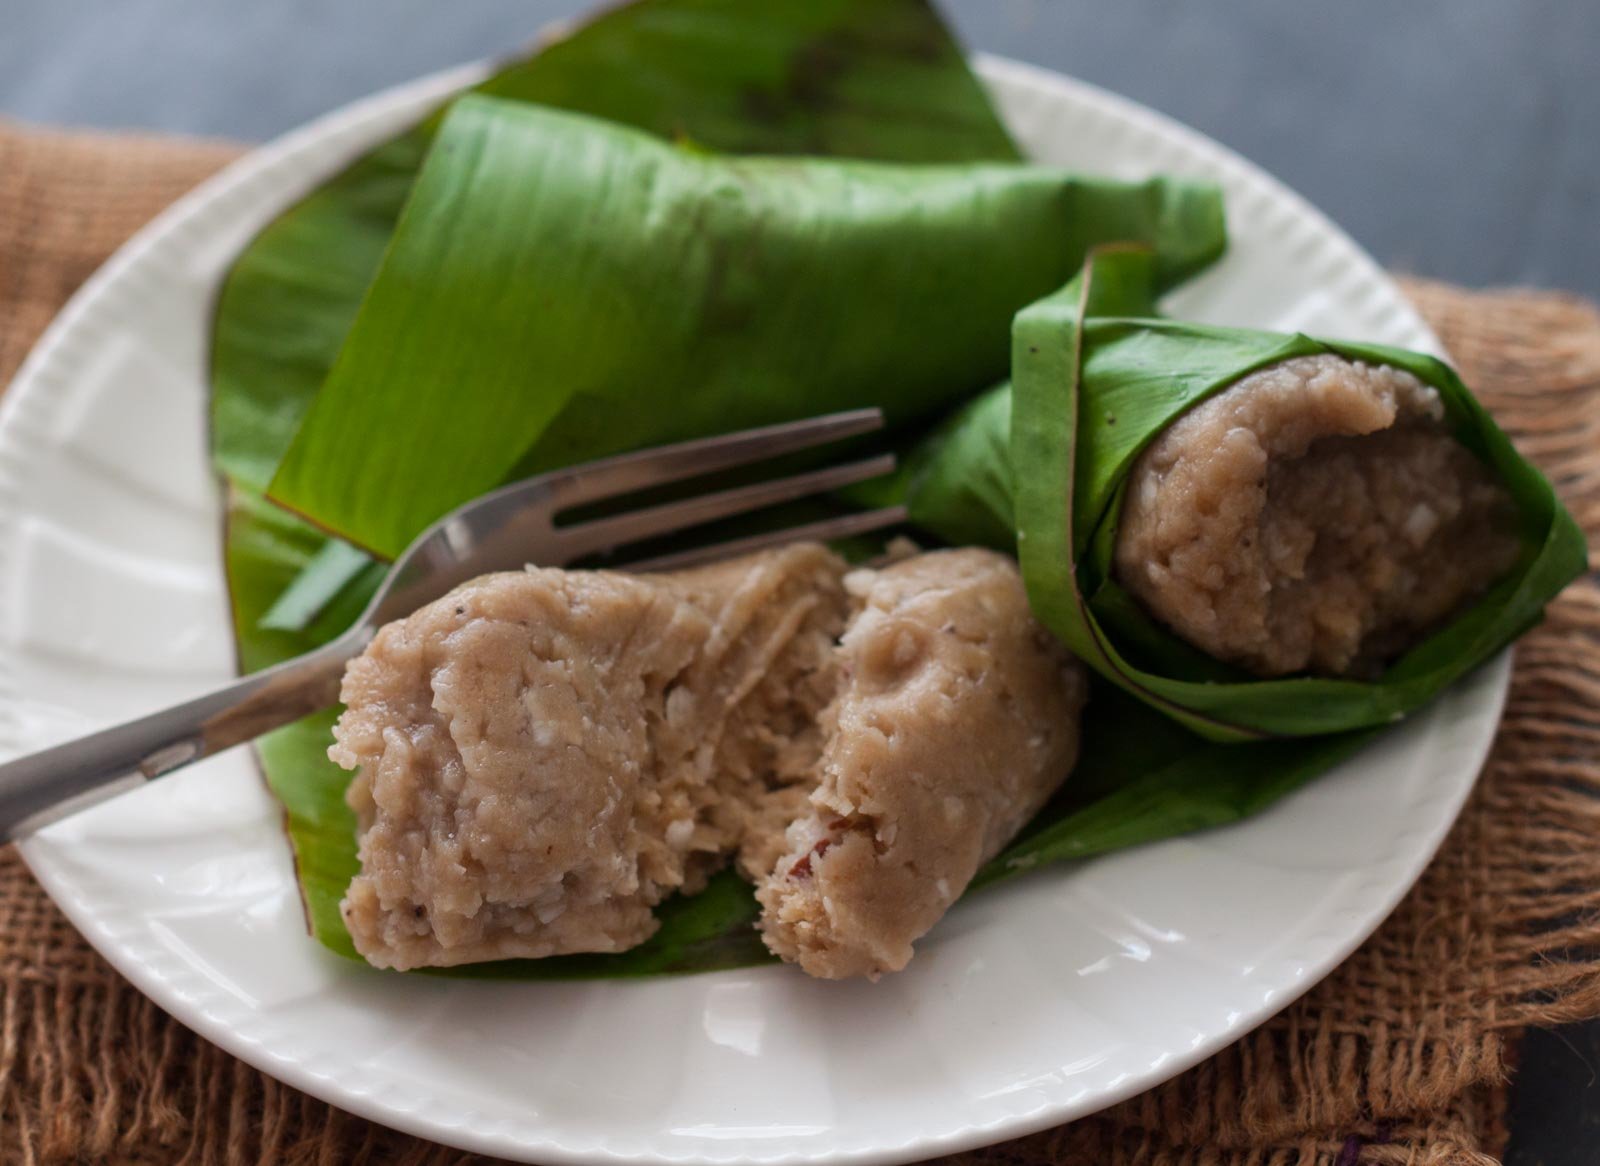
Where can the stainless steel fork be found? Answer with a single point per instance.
(502, 531)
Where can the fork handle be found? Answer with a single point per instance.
(42, 787)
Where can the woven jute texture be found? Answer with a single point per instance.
(1399, 1057)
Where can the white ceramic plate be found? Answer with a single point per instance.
(1040, 1002)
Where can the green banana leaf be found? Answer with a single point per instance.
(1142, 777)
(292, 296)
(864, 78)
(1039, 465)
(601, 290)
(857, 78)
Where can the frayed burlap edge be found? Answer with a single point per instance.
(1397, 1058)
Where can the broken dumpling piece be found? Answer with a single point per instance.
(1317, 515)
(957, 717)
(544, 756)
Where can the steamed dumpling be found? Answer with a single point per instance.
(957, 717)
(1317, 515)
(542, 756)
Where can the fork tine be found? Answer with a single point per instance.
(823, 531)
(604, 534)
(629, 472)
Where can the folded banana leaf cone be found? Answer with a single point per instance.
(1113, 412)
(600, 289)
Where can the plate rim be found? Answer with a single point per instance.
(298, 1073)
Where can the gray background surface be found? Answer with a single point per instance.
(1454, 138)
(1458, 139)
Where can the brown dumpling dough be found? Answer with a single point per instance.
(542, 756)
(1317, 515)
(956, 719)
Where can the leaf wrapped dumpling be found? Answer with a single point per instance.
(1099, 463)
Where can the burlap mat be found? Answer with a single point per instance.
(1399, 1057)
